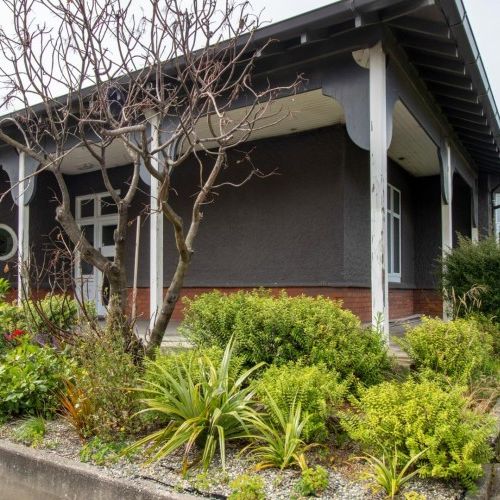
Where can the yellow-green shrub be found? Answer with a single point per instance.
(317, 389)
(283, 329)
(461, 350)
(415, 416)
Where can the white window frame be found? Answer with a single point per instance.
(497, 217)
(391, 215)
(13, 235)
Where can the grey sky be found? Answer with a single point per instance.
(484, 16)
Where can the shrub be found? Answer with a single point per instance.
(313, 481)
(472, 265)
(208, 413)
(31, 431)
(100, 401)
(4, 288)
(30, 379)
(58, 312)
(461, 349)
(101, 452)
(317, 389)
(282, 329)
(11, 317)
(246, 487)
(417, 416)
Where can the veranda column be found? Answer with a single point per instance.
(446, 207)
(378, 189)
(475, 215)
(22, 231)
(156, 234)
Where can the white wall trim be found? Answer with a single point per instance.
(23, 226)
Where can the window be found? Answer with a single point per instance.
(394, 233)
(8, 242)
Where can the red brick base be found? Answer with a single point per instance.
(402, 303)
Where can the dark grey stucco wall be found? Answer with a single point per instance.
(427, 231)
(8, 216)
(286, 229)
(461, 210)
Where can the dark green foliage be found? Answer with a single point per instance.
(58, 312)
(316, 388)
(106, 373)
(282, 329)
(417, 416)
(246, 487)
(313, 481)
(461, 350)
(4, 288)
(469, 266)
(30, 379)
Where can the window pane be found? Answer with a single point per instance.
(87, 208)
(6, 243)
(88, 232)
(395, 202)
(389, 244)
(397, 247)
(85, 268)
(108, 235)
(108, 206)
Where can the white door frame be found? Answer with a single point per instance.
(92, 284)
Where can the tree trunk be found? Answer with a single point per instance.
(169, 301)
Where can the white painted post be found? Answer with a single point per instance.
(475, 234)
(378, 189)
(475, 221)
(156, 234)
(447, 212)
(22, 229)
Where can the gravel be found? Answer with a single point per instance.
(344, 474)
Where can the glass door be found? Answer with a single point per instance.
(97, 216)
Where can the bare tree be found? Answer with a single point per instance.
(169, 83)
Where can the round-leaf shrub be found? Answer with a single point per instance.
(462, 349)
(283, 329)
(415, 416)
(31, 378)
(317, 389)
(472, 265)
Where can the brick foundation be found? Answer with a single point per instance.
(402, 303)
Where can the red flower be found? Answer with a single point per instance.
(14, 334)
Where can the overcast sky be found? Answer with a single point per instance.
(484, 16)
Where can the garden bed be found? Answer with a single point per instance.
(344, 473)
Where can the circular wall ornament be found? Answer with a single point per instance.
(8, 242)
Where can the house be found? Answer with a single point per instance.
(391, 150)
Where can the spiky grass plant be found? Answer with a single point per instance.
(278, 442)
(387, 474)
(203, 416)
(31, 431)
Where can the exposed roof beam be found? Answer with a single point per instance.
(457, 81)
(446, 49)
(464, 116)
(454, 93)
(465, 125)
(468, 107)
(472, 145)
(477, 136)
(423, 27)
(436, 62)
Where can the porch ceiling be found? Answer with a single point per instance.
(410, 146)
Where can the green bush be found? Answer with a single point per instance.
(416, 416)
(101, 387)
(30, 379)
(461, 349)
(246, 487)
(11, 317)
(313, 481)
(282, 329)
(31, 431)
(4, 288)
(58, 312)
(469, 266)
(316, 388)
